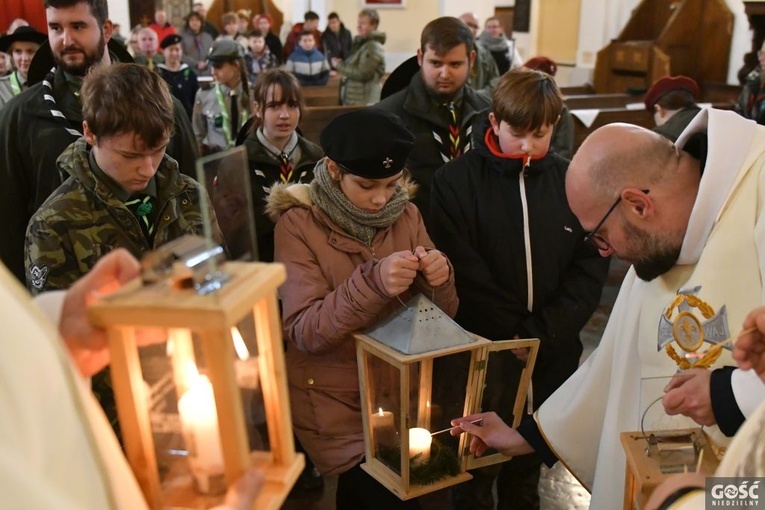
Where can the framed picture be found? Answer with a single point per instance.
(384, 4)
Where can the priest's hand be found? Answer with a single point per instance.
(397, 271)
(87, 344)
(243, 493)
(688, 394)
(433, 265)
(490, 432)
(749, 349)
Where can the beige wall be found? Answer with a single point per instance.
(401, 26)
(558, 30)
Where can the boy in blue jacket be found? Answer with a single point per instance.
(307, 63)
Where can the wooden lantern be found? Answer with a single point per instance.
(417, 370)
(653, 456)
(189, 455)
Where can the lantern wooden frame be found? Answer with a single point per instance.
(479, 354)
(643, 472)
(251, 289)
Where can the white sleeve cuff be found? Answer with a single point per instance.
(51, 304)
(748, 389)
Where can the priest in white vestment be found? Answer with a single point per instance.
(57, 450)
(690, 218)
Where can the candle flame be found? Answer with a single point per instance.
(381, 411)
(239, 345)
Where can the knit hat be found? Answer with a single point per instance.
(666, 85)
(369, 142)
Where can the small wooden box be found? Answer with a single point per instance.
(644, 472)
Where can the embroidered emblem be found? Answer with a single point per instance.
(568, 229)
(387, 162)
(680, 325)
(38, 275)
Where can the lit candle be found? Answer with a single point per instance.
(200, 426)
(246, 367)
(383, 428)
(419, 443)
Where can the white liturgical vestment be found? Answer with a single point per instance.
(717, 281)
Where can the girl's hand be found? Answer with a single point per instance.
(433, 265)
(398, 271)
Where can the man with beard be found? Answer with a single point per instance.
(38, 124)
(21, 45)
(690, 219)
(439, 106)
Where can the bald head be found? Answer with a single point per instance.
(619, 155)
(471, 21)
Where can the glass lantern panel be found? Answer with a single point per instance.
(384, 410)
(247, 370)
(183, 413)
(226, 179)
(506, 382)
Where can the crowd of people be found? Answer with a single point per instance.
(458, 186)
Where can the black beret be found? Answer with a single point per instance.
(22, 34)
(225, 50)
(368, 142)
(169, 40)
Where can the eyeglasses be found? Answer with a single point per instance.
(596, 239)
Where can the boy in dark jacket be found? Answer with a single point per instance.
(337, 39)
(521, 265)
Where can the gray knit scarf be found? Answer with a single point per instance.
(360, 224)
(493, 43)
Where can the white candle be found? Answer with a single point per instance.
(200, 424)
(419, 443)
(383, 428)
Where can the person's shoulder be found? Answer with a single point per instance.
(22, 103)
(395, 102)
(310, 149)
(463, 168)
(65, 204)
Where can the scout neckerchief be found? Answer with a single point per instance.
(284, 157)
(226, 119)
(15, 84)
(452, 142)
(47, 90)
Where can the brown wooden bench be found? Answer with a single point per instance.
(716, 92)
(316, 118)
(324, 95)
(585, 88)
(610, 115)
(600, 101)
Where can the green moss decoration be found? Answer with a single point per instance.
(442, 463)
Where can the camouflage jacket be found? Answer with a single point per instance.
(83, 220)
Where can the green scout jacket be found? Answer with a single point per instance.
(83, 220)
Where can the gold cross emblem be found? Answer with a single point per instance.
(387, 162)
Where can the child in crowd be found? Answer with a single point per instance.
(275, 151)
(354, 248)
(523, 269)
(221, 110)
(123, 191)
(178, 75)
(259, 58)
(309, 64)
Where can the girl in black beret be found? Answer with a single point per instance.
(354, 248)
